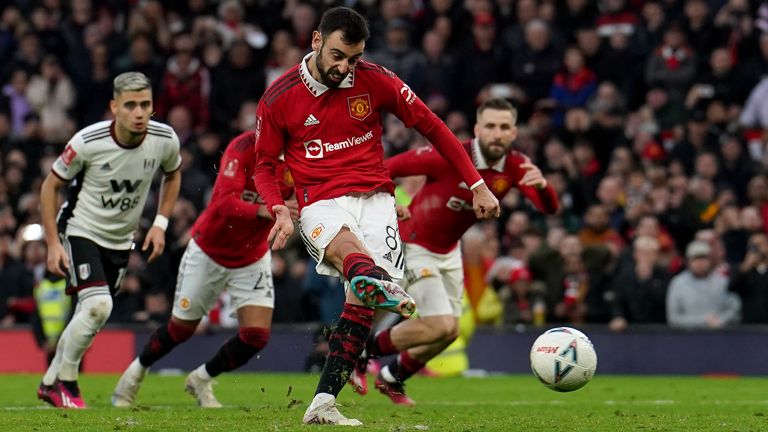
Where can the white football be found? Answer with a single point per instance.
(563, 359)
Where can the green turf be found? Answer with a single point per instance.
(273, 402)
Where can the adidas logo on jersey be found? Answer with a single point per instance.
(388, 256)
(311, 120)
(106, 167)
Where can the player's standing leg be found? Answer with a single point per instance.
(255, 323)
(94, 270)
(161, 342)
(93, 310)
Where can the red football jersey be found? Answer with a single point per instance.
(229, 229)
(441, 212)
(331, 138)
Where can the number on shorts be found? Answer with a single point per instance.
(391, 239)
(264, 281)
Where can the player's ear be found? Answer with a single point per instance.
(317, 39)
(113, 106)
(514, 133)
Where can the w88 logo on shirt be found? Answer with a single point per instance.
(125, 202)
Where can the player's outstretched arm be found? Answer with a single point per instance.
(58, 260)
(169, 193)
(535, 187)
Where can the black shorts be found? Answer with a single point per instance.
(91, 265)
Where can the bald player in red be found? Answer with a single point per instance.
(440, 214)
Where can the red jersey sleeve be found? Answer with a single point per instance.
(269, 145)
(545, 200)
(403, 103)
(421, 161)
(231, 183)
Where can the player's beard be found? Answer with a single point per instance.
(493, 151)
(325, 73)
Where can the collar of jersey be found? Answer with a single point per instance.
(479, 160)
(316, 87)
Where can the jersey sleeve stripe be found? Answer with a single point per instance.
(96, 137)
(159, 135)
(96, 132)
(272, 98)
(279, 82)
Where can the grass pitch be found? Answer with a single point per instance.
(276, 402)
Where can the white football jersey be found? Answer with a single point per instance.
(110, 183)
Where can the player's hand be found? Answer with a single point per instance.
(485, 204)
(282, 229)
(58, 260)
(155, 238)
(402, 212)
(533, 176)
(293, 208)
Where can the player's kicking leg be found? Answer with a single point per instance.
(438, 292)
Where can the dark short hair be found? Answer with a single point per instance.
(354, 28)
(497, 104)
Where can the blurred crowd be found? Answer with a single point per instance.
(647, 117)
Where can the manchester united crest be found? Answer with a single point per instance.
(359, 106)
(499, 185)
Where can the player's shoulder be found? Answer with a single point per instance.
(94, 132)
(285, 82)
(160, 130)
(243, 143)
(515, 158)
(373, 71)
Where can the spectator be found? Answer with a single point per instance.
(235, 81)
(698, 297)
(18, 104)
(573, 86)
(750, 281)
(52, 95)
(672, 64)
(641, 289)
(186, 82)
(535, 64)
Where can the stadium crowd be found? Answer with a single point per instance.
(647, 117)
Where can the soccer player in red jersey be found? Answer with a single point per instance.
(439, 217)
(228, 250)
(325, 115)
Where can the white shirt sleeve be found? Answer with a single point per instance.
(72, 160)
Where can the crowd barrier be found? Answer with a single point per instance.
(642, 350)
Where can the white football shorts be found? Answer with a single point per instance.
(372, 219)
(435, 281)
(201, 281)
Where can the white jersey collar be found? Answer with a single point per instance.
(316, 87)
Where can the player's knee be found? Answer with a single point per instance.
(97, 309)
(181, 332)
(256, 337)
(441, 328)
(444, 329)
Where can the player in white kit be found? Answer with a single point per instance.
(109, 168)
